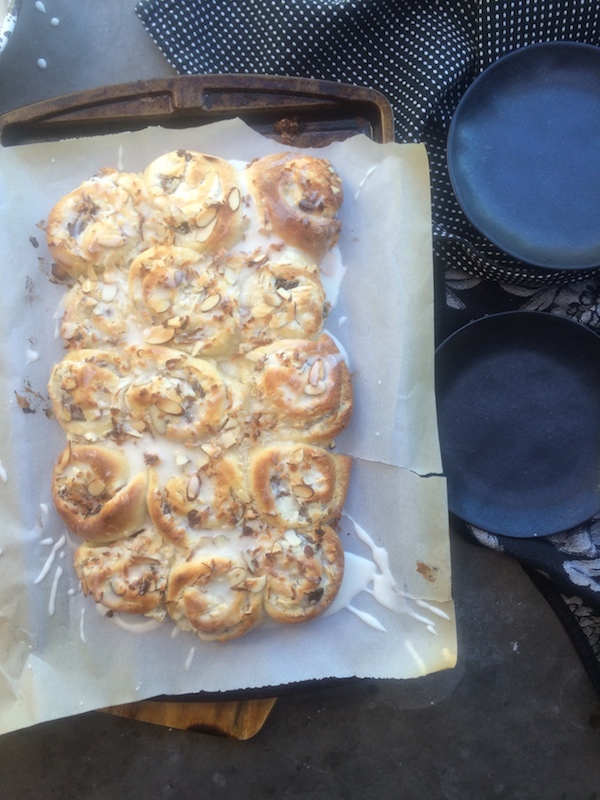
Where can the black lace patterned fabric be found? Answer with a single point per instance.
(422, 55)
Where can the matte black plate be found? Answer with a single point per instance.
(524, 154)
(519, 416)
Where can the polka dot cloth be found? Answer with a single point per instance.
(422, 55)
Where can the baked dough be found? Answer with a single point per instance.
(297, 198)
(129, 575)
(199, 395)
(94, 494)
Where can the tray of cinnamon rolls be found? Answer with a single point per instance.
(199, 395)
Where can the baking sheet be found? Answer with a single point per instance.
(58, 656)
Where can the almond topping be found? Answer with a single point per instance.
(234, 199)
(243, 496)
(193, 487)
(65, 457)
(273, 299)
(206, 216)
(318, 388)
(159, 335)
(111, 240)
(159, 304)
(212, 301)
(87, 286)
(109, 292)
(292, 538)
(68, 384)
(317, 372)
(303, 492)
(261, 310)
(284, 293)
(204, 233)
(169, 406)
(96, 487)
(237, 575)
(256, 585)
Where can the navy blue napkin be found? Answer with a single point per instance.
(422, 55)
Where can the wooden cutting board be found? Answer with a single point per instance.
(236, 719)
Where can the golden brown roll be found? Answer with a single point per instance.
(87, 389)
(198, 197)
(208, 493)
(99, 224)
(297, 197)
(128, 576)
(183, 398)
(95, 495)
(186, 300)
(299, 389)
(297, 484)
(97, 311)
(304, 570)
(214, 593)
(281, 301)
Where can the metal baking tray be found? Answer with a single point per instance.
(299, 112)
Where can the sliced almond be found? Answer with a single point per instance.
(193, 487)
(159, 304)
(66, 414)
(243, 496)
(158, 334)
(316, 372)
(227, 439)
(169, 406)
(87, 286)
(276, 548)
(257, 584)
(96, 487)
(297, 457)
(285, 294)
(278, 321)
(292, 538)
(202, 459)
(317, 389)
(111, 240)
(303, 492)
(203, 234)
(236, 576)
(65, 457)
(69, 383)
(175, 322)
(206, 216)
(212, 301)
(210, 449)
(109, 292)
(234, 199)
(158, 421)
(261, 310)
(181, 459)
(273, 299)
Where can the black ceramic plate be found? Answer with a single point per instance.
(524, 155)
(519, 416)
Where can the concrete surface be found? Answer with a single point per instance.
(516, 720)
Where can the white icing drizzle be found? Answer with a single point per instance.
(44, 509)
(82, 626)
(52, 601)
(40, 6)
(54, 21)
(42, 63)
(375, 577)
(190, 658)
(32, 355)
(47, 541)
(369, 619)
(3, 474)
(50, 560)
(369, 172)
(332, 274)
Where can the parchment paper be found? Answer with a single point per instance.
(58, 656)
